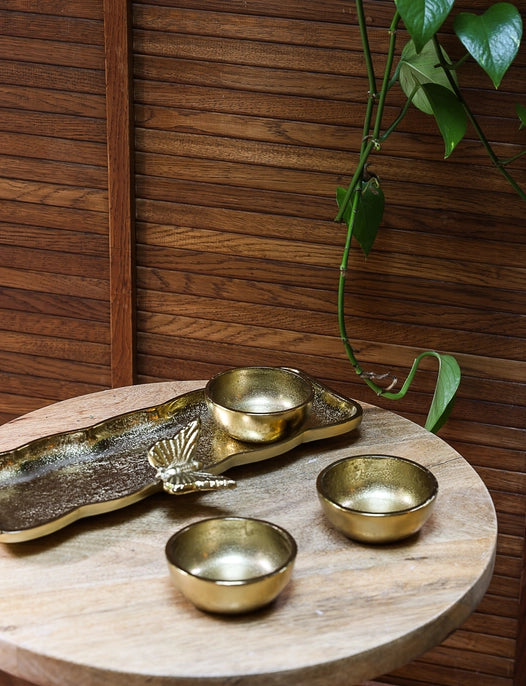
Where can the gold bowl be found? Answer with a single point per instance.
(231, 565)
(259, 404)
(377, 498)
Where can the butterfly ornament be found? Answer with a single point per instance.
(177, 468)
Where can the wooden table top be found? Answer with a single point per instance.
(93, 605)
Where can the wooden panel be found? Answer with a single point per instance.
(117, 36)
(248, 115)
(54, 267)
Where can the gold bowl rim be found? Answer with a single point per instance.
(235, 582)
(267, 413)
(365, 513)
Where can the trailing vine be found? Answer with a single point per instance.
(429, 81)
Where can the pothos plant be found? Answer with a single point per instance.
(428, 78)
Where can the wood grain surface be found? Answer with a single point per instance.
(93, 604)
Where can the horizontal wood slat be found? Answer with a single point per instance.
(242, 173)
(52, 303)
(289, 319)
(47, 325)
(340, 11)
(49, 216)
(75, 242)
(34, 375)
(67, 174)
(58, 348)
(76, 286)
(50, 148)
(231, 25)
(53, 194)
(248, 222)
(84, 266)
(302, 297)
(65, 125)
(70, 29)
(319, 159)
(51, 52)
(48, 100)
(41, 390)
(74, 8)
(50, 76)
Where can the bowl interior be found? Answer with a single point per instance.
(231, 549)
(377, 484)
(259, 390)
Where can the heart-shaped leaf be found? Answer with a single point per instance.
(449, 114)
(423, 18)
(492, 39)
(419, 68)
(446, 388)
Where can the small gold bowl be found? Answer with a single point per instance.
(231, 565)
(377, 498)
(259, 404)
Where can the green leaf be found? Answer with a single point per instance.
(447, 384)
(446, 387)
(449, 114)
(492, 39)
(419, 68)
(369, 214)
(521, 113)
(423, 18)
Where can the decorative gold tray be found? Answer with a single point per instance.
(53, 481)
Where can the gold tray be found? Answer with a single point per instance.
(53, 481)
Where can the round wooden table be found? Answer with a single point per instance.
(93, 605)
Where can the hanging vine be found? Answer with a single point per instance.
(429, 81)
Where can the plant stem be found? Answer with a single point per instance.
(364, 156)
(480, 133)
(370, 142)
(515, 157)
(402, 114)
(367, 144)
(387, 73)
(341, 298)
(366, 48)
(354, 189)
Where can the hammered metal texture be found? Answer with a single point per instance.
(52, 481)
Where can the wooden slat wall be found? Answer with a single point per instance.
(54, 302)
(247, 117)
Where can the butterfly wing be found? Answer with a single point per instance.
(186, 441)
(179, 450)
(174, 460)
